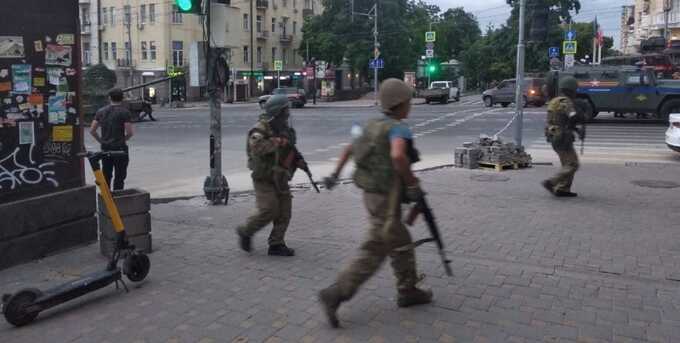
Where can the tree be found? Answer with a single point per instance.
(97, 81)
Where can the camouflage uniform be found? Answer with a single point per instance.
(559, 132)
(272, 193)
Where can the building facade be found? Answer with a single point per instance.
(144, 39)
(646, 19)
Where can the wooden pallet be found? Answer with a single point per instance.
(503, 166)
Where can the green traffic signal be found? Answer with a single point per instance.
(185, 5)
(431, 68)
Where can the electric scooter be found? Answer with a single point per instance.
(23, 307)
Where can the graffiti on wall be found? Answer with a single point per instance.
(15, 173)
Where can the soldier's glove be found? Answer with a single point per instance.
(414, 193)
(330, 181)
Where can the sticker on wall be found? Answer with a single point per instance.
(38, 46)
(24, 107)
(26, 132)
(58, 55)
(4, 73)
(6, 87)
(62, 133)
(36, 99)
(56, 77)
(48, 39)
(21, 77)
(19, 99)
(70, 72)
(38, 82)
(66, 39)
(56, 109)
(11, 47)
(7, 101)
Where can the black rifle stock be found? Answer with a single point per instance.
(422, 207)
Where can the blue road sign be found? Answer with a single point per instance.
(570, 35)
(553, 51)
(376, 63)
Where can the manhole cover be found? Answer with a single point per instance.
(489, 178)
(656, 184)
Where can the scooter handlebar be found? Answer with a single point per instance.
(101, 154)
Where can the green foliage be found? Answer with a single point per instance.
(97, 80)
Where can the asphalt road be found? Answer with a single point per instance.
(169, 157)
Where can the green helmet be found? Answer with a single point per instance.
(275, 104)
(394, 92)
(568, 83)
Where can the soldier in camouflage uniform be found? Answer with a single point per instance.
(383, 153)
(268, 142)
(559, 131)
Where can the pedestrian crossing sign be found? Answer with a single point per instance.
(278, 65)
(569, 47)
(430, 36)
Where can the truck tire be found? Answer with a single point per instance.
(444, 100)
(668, 107)
(505, 104)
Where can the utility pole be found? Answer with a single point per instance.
(376, 45)
(128, 52)
(251, 80)
(215, 187)
(667, 7)
(519, 78)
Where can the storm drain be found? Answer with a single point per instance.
(656, 184)
(489, 178)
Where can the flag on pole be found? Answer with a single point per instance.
(598, 35)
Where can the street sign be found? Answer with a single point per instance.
(278, 65)
(377, 63)
(555, 63)
(376, 53)
(429, 53)
(569, 47)
(568, 61)
(430, 36)
(429, 45)
(554, 51)
(570, 35)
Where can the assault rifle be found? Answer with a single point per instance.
(422, 207)
(296, 160)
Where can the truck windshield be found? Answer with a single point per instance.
(439, 85)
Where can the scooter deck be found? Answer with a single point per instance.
(68, 291)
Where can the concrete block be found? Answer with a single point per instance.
(47, 241)
(24, 217)
(135, 225)
(129, 202)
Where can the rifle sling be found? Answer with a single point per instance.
(413, 245)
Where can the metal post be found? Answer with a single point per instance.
(278, 79)
(668, 6)
(375, 55)
(519, 94)
(251, 83)
(215, 187)
(314, 88)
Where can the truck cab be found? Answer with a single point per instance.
(441, 91)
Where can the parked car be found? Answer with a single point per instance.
(504, 93)
(296, 96)
(441, 91)
(673, 132)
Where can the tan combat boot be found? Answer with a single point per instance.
(414, 296)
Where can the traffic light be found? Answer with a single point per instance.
(431, 68)
(189, 6)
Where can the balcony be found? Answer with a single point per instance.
(262, 35)
(286, 38)
(262, 4)
(124, 63)
(307, 12)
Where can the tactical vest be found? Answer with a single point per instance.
(559, 128)
(261, 166)
(374, 171)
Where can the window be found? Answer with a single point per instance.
(294, 3)
(246, 24)
(295, 27)
(273, 55)
(112, 15)
(177, 53)
(284, 26)
(176, 15)
(273, 25)
(228, 53)
(294, 56)
(128, 53)
(105, 16)
(127, 15)
(86, 54)
(284, 3)
(284, 56)
(152, 50)
(259, 55)
(145, 51)
(258, 23)
(106, 50)
(85, 16)
(114, 53)
(308, 4)
(152, 13)
(245, 54)
(142, 14)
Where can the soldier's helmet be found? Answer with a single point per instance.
(275, 104)
(394, 92)
(568, 83)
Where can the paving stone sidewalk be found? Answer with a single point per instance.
(604, 267)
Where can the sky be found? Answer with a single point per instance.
(496, 12)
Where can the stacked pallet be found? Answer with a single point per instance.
(491, 153)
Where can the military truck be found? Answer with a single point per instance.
(625, 89)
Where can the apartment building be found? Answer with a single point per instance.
(646, 19)
(143, 39)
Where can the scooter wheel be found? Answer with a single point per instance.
(136, 267)
(16, 307)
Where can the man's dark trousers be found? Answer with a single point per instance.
(115, 167)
